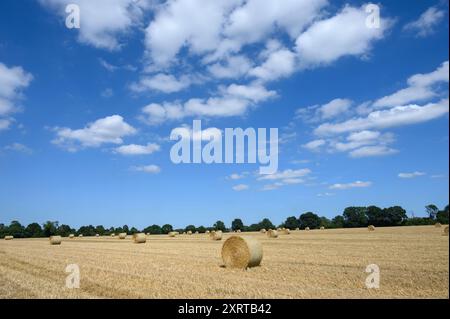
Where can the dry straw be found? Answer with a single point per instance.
(9, 237)
(272, 233)
(215, 235)
(122, 235)
(438, 225)
(55, 240)
(371, 227)
(242, 252)
(140, 238)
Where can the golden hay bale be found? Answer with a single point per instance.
(285, 231)
(216, 235)
(113, 235)
(272, 233)
(196, 232)
(148, 234)
(322, 228)
(242, 252)
(9, 237)
(122, 235)
(446, 231)
(71, 236)
(238, 231)
(207, 232)
(97, 235)
(140, 238)
(371, 227)
(307, 228)
(279, 229)
(80, 235)
(189, 232)
(55, 240)
(438, 225)
(297, 229)
(172, 234)
(262, 231)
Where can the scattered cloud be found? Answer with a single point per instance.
(286, 177)
(150, 169)
(240, 187)
(165, 83)
(133, 149)
(107, 93)
(314, 145)
(371, 151)
(425, 25)
(357, 184)
(411, 175)
(108, 130)
(20, 148)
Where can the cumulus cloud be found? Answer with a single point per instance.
(108, 130)
(371, 151)
(286, 177)
(426, 23)
(314, 145)
(134, 149)
(233, 67)
(241, 187)
(150, 169)
(18, 147)
(411, 175)
(12, 82)
(165, 83)
(357, 184)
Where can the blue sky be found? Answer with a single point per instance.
(86, 114)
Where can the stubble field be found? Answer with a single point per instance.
(413, 262)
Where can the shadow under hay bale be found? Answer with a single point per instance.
(242, 252)
(55, 240)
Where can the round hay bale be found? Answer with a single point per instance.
(55, 240)
(9, 237)
(272, 233)
(122, 235)
(207, 232)
(371, 227)
(262, 231)
(71, 236)
(80, 235)
(446, 231)
(297, 229)
(172, 234)
(438, 225)
(285, 231)
(242, 252)
(113, 235)
(196, 232)
(140, 238)
(148, 234)
(322, 228)
(189, 232)
(97, 235)
(307, 229)
(238, 231)
(216, 235)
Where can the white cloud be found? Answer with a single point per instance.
(419, 89)
(203, 135)
(161, 82)
(107, 93)
(240, 187)
(279, 64)
(134, 149)
(287, 174)
(12, 81)
(234, 67)
(314, 145)
(370, 151)
(4, 124)
(357, 184)
(108, 130)
(108, 66)
(236, 176)
(397, 116)
(426, 23)
(253, 92)
(150, 169)
(342, 35)
(334, 108)
(20, 148)
(102, 21)
(411, 175)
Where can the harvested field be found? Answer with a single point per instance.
(413, 262)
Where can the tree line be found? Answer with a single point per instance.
(355, 216)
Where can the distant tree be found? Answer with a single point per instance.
(118, 230)
(154, 229)
(50, 228)
(394, 216)
(191, 228)
(432, 210)
(167, 228)
(34, 230)
(100, 230)
(292, 222)
(417, 221)
(201, 229)
(266, 224)
(64, 230)
(16, 229)
(3, 230)
(376, 216)
(125, 229)
(310, 220)
(442, 216)
(86, 230)
(220, 225)
(133, 230)
(252, 227)
(355, 217)
(338, 222)
(237, 224)
(325, 222)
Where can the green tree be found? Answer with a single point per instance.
(220, 225)
(16, 229)
(376, 216)
(325, 222)
(201, 229)
(167, 228)
(432, 211)
(394, 216)
(442, 216)
(266, 224)
(292, 222)
(237, 224)
(338, 222)
(310, 220)
(133, 230)
(64, 230)
(191, 228)
(355, 217)
(50, 228)
(100, 230)
(153, 229)
(34, 230)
